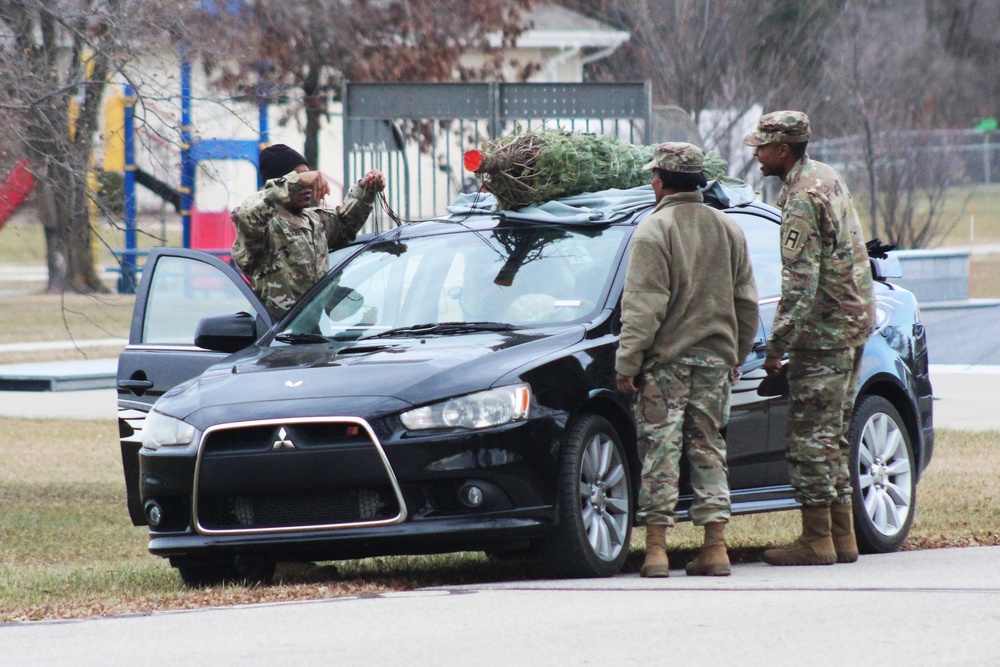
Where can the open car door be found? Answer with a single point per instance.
(179, 288)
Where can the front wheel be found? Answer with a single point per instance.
(882, 474)
(595, 504)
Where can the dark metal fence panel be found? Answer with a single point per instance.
(417, 134)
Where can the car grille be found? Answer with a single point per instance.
(224, 512)
(314, 474)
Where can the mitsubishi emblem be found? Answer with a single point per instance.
(293, 384)
(283, 442)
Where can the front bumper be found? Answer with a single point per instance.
(513, 467)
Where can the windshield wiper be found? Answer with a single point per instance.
(301, 338)
(442, 328)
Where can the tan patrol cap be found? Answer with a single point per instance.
(677, 156)
(780, 127)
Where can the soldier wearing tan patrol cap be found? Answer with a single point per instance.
(825, 315)
(689, 317)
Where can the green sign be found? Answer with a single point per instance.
(986, 125)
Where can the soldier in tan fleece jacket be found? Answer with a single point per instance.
(689, 317)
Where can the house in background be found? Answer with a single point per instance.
(560, 42)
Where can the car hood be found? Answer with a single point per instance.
(369, 378)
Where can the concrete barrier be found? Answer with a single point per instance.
(935, 275)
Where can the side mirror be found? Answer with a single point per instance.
(888, 267)
(226, 333)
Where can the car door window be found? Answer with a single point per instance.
(763, 240)
(182, 292)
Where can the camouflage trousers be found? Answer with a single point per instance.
(682, 407)
(821, 385)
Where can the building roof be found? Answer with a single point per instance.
(556, 27)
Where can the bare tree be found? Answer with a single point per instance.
(880, 99)
(913, 187)
(56, 57)
(303, 52)
(718, 55)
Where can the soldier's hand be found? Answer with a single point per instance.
(314, 181)
(373, 181)
(735, 374)
(626, 383)
(772, 365)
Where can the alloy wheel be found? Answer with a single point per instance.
(604, 497)
(885, 472)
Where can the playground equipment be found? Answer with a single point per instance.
(15, 190)
(193, 151)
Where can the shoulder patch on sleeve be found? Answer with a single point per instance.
(793, 238)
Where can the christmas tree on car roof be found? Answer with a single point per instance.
(533, 167)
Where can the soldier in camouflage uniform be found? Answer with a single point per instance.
(282, 240)
(825, 315)
(689, 317)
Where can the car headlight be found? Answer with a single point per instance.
(480, 410)
(159, 430)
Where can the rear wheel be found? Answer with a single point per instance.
(595, 504)
(882, 474)
(198, 572)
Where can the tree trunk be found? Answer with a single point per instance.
(315, 104)
(68, 235)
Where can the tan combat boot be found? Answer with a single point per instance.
(842, 531)
(712, 561)
(814, 546)
(656, 563)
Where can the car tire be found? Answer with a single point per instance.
(883, 475)
(595, 499)
(198, 573)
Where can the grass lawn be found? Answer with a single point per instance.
(984, 276)
(68, 549)
(22, 239)
(962, 203)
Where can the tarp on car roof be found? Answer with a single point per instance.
(594, 207)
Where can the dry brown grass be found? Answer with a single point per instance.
(984, 277)
(984, 202)
(68, 549)
(32, 316)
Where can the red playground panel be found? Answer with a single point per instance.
(213, 231)
(14, 190)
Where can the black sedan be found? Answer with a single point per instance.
(450, 386)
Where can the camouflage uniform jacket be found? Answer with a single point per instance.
(284, 254)
(689, 288)
(826, 281)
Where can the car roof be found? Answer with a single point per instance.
(479, 210)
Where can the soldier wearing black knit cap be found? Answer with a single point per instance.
(283, 236)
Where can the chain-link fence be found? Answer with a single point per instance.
(905, 179)
(969, 157)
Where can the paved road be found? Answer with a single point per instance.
(938, 607)
(963, 335)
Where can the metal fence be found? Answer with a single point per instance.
(963, 157)
(417, 134)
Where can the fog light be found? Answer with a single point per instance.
(471, 495)
(154, 514)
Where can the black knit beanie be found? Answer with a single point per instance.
(278, 160)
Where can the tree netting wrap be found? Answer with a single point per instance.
(534, 167)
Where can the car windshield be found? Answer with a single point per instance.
(465, 280)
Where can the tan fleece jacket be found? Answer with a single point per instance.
(689, 287)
